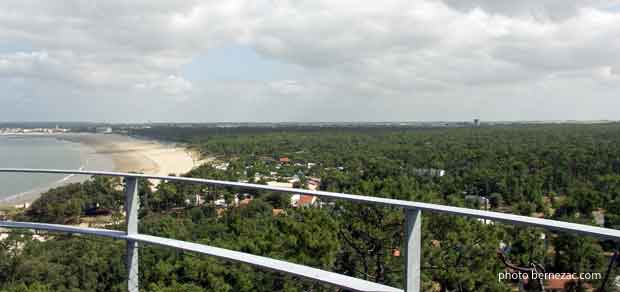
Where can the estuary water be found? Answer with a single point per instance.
(24, 151)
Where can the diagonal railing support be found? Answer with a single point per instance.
(413, 250)
(131, 219)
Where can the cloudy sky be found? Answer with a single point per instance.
(317, 60)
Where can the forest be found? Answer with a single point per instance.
(567, 172)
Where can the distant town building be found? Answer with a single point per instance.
(245, 202)
(599, 217)
(103, 130)
(481, 201)
(222, 166)
(294, 179)
(429, 172)
(199, 200)
(4, 234)
(313, 185)
(242, 200)
(220, 203)
(280, 184)
(300, 201)
(22, 206)
(35, 131)
(307, 201)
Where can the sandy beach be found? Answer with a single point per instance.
(137, 155)
(126, 154)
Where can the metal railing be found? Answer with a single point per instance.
(413, 226)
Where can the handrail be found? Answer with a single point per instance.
(413, 211)
(603, 233)
(310, 273)
(64, 228)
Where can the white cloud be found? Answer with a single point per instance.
(387, 60)
(173, 86)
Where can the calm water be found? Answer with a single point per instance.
(41, 152)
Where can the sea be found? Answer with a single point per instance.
(42, 151)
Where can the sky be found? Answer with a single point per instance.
(309, 61)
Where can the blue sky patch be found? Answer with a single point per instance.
(238, 63)
(7, 47)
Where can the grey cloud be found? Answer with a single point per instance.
(387, 60)
(544, 10)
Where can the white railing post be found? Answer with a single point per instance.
(131, 218)
(413, 250)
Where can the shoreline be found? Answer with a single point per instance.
(136, 155)
(119, 153)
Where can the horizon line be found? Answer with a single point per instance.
(316, 122)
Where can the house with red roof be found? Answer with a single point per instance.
(300, 201)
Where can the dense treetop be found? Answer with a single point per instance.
(564, 172)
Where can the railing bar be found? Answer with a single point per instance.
(310, 273)
(65, 228)
(604, 233)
